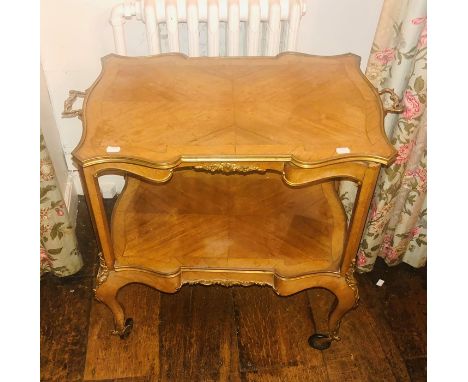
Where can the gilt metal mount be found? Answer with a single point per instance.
(227, 167)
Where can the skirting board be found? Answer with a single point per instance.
(70, 198)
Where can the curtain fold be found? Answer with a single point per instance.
(58, 254)
(396, 225)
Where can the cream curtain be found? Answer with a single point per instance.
(59, 253)
(396, 227)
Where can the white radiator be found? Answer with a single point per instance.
(212, 27)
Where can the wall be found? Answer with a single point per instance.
(54, 147)
(75, 34)
(339, 26)
(51, 136)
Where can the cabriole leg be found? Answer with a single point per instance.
(107, 285)
(106, 292)
(346, 298)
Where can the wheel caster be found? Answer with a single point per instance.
(125, 332)
(127, 329)
(320, 341)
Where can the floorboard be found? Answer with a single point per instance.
(273, 330)
(197, 335)
(360, 355)
(65, 307)
(137, 357)
(237, 334)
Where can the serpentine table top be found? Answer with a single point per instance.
(167, 109)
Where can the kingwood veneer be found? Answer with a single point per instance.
(230, 168)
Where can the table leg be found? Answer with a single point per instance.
(98, 213)
(106, 292)
(346, 289)
(359, 216)
(106, 287)
(346, 298)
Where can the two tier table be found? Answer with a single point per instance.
(231, 168)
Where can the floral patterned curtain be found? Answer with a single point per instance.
(396, 226)
(59, 253)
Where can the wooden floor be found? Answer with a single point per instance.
(230, 334)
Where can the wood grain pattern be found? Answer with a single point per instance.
(400, 309)
(205, 221)
(381, 316)
(361, 355)
(273, 330)
(65, 307)
(292, 105)
(198, 340)
(287, 374)
(134, 357)
(417, 368)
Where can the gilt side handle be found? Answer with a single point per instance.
(68, 111)
(397, 107)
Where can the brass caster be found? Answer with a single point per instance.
(320, 341)
(125, 332)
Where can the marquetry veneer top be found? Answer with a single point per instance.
(167, 108)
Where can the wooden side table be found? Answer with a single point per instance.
(231, 167)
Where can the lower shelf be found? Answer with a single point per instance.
(235, 223)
